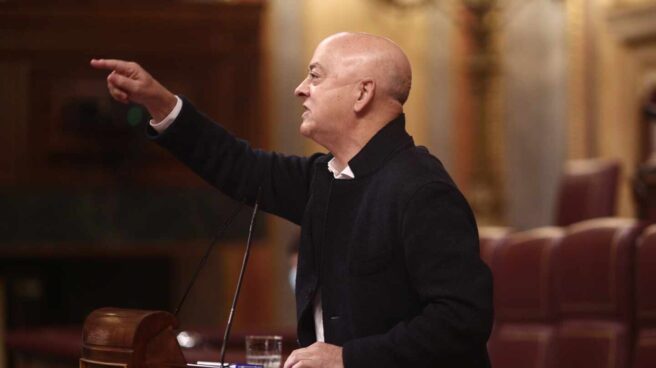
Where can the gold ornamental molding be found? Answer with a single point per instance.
(633, 24)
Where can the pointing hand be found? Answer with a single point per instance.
(129, 82)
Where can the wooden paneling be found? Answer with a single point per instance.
(64, 129)
(13, 104)
(78, 177)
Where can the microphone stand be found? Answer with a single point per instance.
(241, 278)
(201, 264)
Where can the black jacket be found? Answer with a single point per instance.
(394, 251)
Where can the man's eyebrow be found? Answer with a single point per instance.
(314, 65)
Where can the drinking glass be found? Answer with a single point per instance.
(264, 350)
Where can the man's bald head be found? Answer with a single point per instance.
(356, 83)
(379, 58)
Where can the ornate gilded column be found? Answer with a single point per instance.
(481, 28)
(482, 183)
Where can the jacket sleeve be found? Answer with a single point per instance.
(238, 170)
(440, 243)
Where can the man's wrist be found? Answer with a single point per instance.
(163, 124)
(162, 109)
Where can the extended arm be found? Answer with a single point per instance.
(234, 167)
(208, 149)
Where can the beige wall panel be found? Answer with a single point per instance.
(624, 66)
(577, 133)
(441, 80)
(534, 73)
(617, 126)
(632, 2)
(285, 60)
(602, 119)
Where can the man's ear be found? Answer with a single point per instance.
(366, 90)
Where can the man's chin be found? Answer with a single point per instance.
(305, 129)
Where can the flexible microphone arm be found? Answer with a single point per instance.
(201, 264)
(247, 253)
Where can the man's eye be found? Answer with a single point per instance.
(313, 76)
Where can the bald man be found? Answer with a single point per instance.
(389, 273)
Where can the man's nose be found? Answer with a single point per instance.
(301, 90)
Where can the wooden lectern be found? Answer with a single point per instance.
(130, 338)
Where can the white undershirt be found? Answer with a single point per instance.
(168, 120)
(345, 174)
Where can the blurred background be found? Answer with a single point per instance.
(512, 95)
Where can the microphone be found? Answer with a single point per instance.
(201, 264)
(244, 262)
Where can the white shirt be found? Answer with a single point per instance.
(168, 120)
(345, 174)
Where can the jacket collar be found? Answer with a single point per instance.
(387, 141)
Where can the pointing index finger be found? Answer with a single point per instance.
(120, 66)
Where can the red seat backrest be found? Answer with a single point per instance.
(490, 238)
(595, 292)
(588, 189)
(524, 300)
(645, 347)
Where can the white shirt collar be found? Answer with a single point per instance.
(346, 173)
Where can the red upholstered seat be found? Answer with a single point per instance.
(645, 350)
(588, 189)
(594, 294)
(593, 344)
(645, 347)
(490, 237)
(524, 300)
(522, 346)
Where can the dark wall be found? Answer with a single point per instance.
(91, 213)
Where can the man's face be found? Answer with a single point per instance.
(327, 95)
